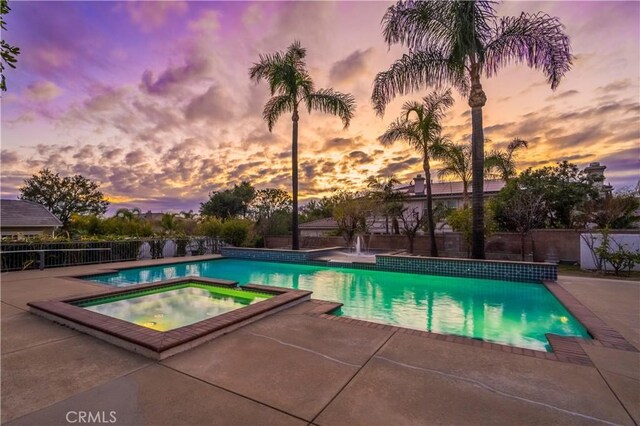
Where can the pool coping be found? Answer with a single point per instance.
(157, 344)
(565, 348)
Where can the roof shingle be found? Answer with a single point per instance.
(22, 213)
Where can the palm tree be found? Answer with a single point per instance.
(503, 163)
(188, 214)
(456, 43)
(422, 133)
(128, 214)
(456, 163)
(169, 223)
(291, 87)
(382, 191)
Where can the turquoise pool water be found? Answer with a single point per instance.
(517, 314)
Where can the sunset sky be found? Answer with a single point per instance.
(153, 99)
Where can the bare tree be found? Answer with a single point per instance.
(524, 212)
(412, 222)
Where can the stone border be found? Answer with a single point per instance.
(157, 344)
(107, 271)
(564, 348)
(323, 310)
(599, 330)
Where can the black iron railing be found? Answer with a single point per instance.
(15, 256)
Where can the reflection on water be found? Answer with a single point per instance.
(517, 314)
(172, 309)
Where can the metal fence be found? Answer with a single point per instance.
(16, 256)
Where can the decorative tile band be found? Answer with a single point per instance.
(274, 254)
(467, 268)
(500, 270)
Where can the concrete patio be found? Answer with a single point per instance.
(295, 368)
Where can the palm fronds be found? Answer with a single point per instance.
(537, 40)
(331, 102)
(275, 107)
(415, 71)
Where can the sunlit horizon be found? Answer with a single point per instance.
(153, 101)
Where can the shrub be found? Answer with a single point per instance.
(181, 246)
(157, 248)
(236, 231)
(210, 227)
(610, 252)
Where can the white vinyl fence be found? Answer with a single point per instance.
(631, 242)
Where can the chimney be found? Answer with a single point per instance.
(596, 172)
(418, 183)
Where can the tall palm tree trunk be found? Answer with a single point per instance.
(432, 229)
(477, 100)
(465, 194)
(295, 240)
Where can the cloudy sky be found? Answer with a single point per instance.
(153, 99)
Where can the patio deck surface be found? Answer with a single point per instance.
(294, 368)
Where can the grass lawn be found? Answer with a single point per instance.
(575, 270)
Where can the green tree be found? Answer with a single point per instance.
(461, 220)
(563, 190)
(127, 222)
(210, 226)
(230, 202)
(502, 163)
(614, 211)
(316, 209)
(352, 211)
(420, 126)
(291, 88)
(8, 52)
(458, 43)
(64, 196)
(170, 223)
(236, 231)
(268, 208)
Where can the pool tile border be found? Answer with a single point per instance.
(466, 268)
(157, 344)
(469, 268)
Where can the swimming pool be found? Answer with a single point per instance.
(512, 313)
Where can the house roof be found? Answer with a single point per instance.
(443, 189)
(325, 223)
(22, 213)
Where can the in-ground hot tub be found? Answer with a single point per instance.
(162, 319)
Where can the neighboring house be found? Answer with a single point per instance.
(449, 194)
(318, 228)
(20, 217)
